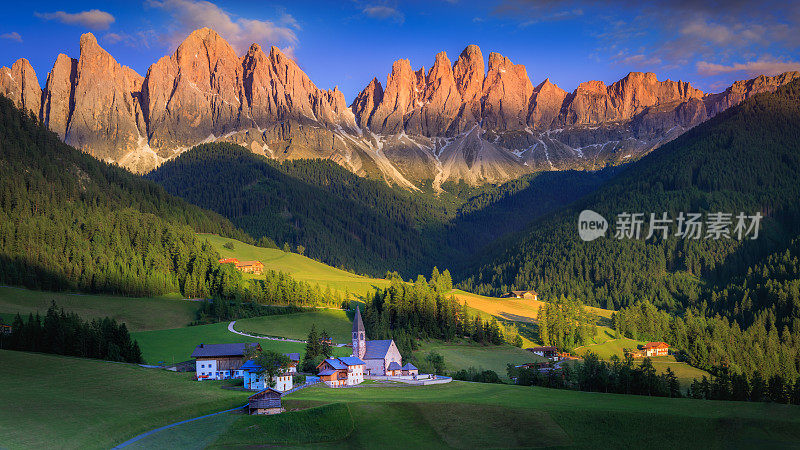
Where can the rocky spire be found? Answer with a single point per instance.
(19, 83)
(366, 101)
(546, 103)
(506, 94)
(102, 84)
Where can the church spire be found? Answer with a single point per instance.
(358, 324)
(359, 335)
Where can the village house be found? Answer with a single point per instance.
(341, 371)
(221, 361)
(377, 355)
(656, 349)
(267, 401)
(294, 361)
(527, 295)
(253, 267)
(547, 352)
(255, 378)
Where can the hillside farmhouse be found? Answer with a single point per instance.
(377, 355)
(220, 361)
(255, 379)
(267, 401)
(254, 267)
(527, 295)
(342, 371)
(656, 349)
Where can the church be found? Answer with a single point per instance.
(380, 357)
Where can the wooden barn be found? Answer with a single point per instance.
(527, 295)
(267, 401)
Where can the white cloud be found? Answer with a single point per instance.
(12, 36)
(762, 66)
(639, 59)
(384, 12)
(93, 19)
(190, 15)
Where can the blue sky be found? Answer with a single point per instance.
(346, 42)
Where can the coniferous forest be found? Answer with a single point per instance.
(71, 222)
(65, 333)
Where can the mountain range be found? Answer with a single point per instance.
(454, 122)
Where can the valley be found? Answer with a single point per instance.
(230, 235)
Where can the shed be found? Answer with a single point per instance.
(409, 369)
(267, 401)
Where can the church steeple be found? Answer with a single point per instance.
(359, 335)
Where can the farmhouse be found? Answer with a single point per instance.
(547, 352)
(341, 371)
(528, 295)
(377, 355)
(255, 378)
(254, 267)
(656, 349)
(220, 361)
(267, 401)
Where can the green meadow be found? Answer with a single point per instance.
(336, 322)
(466, 415)
(138, 314)
(61, 402)
(176, 345)
(476, 415)
(300, 267)
(464, 356)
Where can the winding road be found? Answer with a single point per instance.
(269, 338)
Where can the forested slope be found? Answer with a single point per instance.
(338, 217)
(725, 304)
(746, 159)
(69, 221)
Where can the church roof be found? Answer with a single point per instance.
(377, 349)
(358, 324)
(409, 366)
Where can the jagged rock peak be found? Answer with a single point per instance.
(19, 83)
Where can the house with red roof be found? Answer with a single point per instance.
(656, 349)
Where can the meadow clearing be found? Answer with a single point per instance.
(299, 266)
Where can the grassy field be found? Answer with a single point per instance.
(300, 267)
(61, 402)
(139, 314)
(464, 414)
(295, 326)
(176, 345)
(464, 356)
(516, 309)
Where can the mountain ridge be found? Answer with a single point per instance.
(459, 121)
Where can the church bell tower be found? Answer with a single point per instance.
(359, 337)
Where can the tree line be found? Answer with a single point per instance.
(406, 312)
(565, 323)
(64, 333)
(620, 376)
